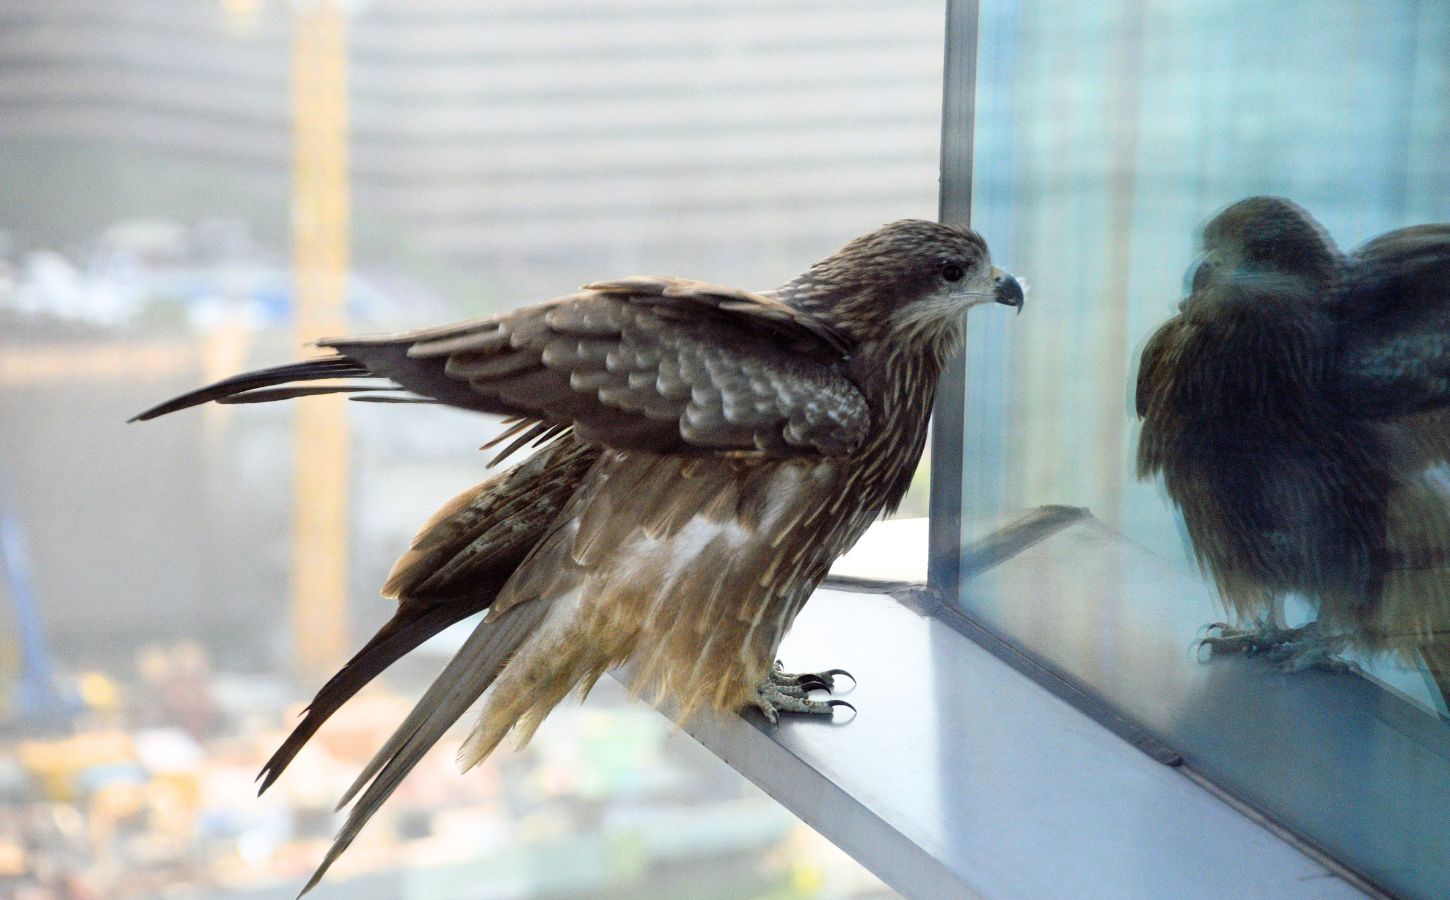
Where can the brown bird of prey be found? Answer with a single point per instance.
(1296, 409)
(708, 452)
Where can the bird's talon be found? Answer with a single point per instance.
(781, 691)
(806, 681)
(812, 683)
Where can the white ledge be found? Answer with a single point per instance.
(960, 776)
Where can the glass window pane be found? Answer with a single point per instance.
(1107, 135)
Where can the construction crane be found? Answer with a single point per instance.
(320, 259)
(38, 698)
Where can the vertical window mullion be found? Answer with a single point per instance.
(959, 83)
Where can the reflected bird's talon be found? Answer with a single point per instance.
(1289, 649)
(1198, 647)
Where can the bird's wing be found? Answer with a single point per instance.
(455, 568)
(1427, 435)
(1155, 365)
(759, 312)
(1396, 364)
(655, 364)
(1155, 371)
(1394, 357)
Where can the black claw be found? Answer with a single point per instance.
(835, 703)
(814, 683)
(834, 672)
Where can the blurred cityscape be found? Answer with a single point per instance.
(499, 153)
(150, 792)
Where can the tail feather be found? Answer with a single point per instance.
(461, 682)
(454, 568)
(269, 395)
(409, 627)
(232, 389)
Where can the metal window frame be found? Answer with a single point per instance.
(959, 92)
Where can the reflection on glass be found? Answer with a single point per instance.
(1294, 409)
(1307, 472)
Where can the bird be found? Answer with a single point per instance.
(703, 454)
(1297, 408)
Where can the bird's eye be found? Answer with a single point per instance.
(953, 272)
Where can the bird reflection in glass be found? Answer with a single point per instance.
(1296, 410)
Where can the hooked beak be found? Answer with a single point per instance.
(1007, 290)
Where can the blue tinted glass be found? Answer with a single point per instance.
(1297, 388)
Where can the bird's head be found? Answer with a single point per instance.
(908, 281)
(1265, 242)
(1254, 334)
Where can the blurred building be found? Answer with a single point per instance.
(501, 152)
(534, 141)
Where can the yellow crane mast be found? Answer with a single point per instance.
(320, 260)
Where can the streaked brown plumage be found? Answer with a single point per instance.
(709, 453)
(1295, 408)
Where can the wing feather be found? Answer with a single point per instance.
(1394, 356)
(1155, 372)
(647, 363)
(454, 568)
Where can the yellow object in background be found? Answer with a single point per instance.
(98, 692)
(320, 261)
(57, 765)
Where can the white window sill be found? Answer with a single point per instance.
(961, 776)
